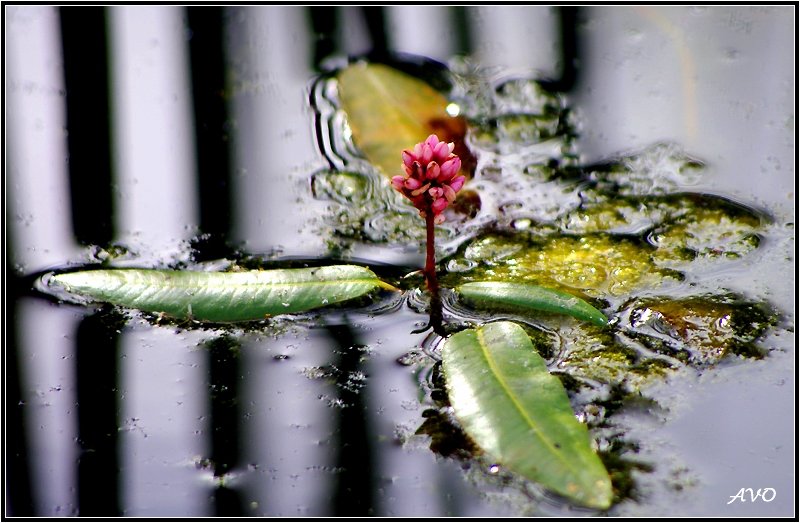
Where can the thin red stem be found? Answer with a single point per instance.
(430, 273)
(430, 258)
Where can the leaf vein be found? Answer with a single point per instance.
(533, 425)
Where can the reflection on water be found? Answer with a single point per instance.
(153, 138)
(212, 145)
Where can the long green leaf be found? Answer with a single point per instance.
(527, 296)
(519, 414)
(223, 297)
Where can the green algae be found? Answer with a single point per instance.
(517, 129)
(594, 265)
(700, 330)
(705, 232)
(363, 207)
(344, 187)
(595, 356)
(698, 222)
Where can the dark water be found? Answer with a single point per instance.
(204, 137)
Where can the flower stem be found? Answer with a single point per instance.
(430, 274)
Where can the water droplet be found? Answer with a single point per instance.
(460, 265)
(521, 224)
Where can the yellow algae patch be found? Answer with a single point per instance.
(597, 265)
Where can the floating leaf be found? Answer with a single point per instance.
(223, 297)
(519, 414)
(389, 111)
(527, 296)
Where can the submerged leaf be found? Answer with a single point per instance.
(389, 111)
(223, 297)
(527, 296)
(519, 414)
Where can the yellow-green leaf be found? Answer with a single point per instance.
(389, 111)
(519, 414)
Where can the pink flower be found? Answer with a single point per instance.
(431, 178)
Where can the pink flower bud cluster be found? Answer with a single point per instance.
(431, 178)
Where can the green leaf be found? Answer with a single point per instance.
(519, 414)
(223, 297)
(389, 111)
(527, 296)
